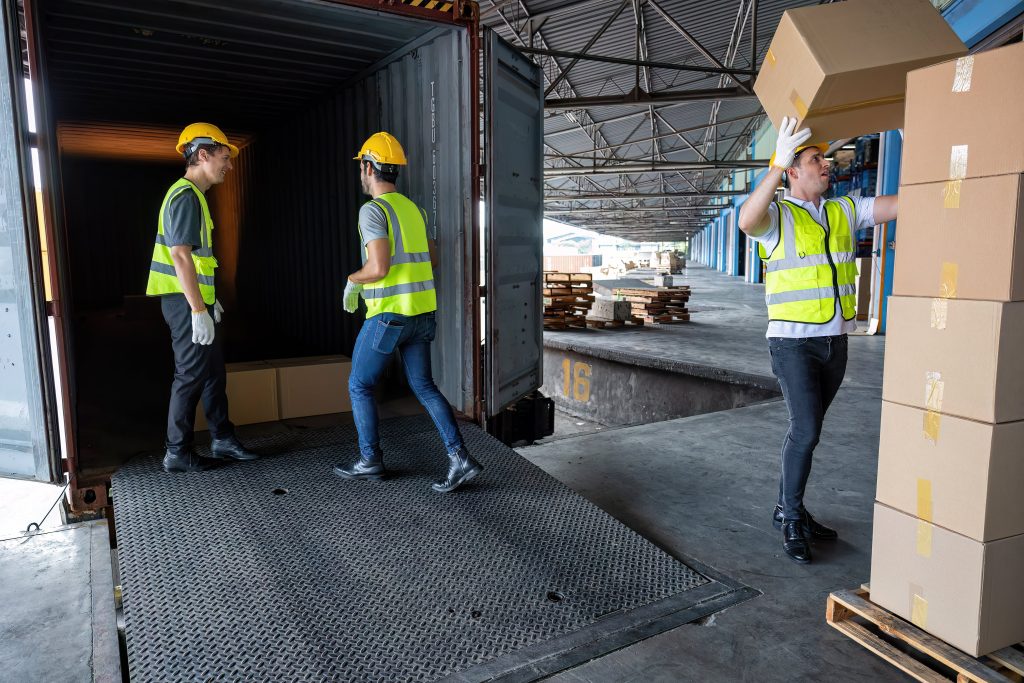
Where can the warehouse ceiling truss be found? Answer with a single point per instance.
(649, 104)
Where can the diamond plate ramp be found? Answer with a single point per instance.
(276, 570)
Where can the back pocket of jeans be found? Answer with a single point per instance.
(386, 336)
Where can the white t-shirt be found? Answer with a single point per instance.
(865, 212)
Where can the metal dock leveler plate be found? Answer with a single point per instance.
(275, 570)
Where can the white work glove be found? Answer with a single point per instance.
(202, 328)
(218, 312)
(785, 148)
(351, 297)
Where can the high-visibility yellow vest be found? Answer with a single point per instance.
(163, 279)
(811, 268)
(408, 288)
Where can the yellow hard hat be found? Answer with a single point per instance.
(822, 146)
(383, 148)
(204, 134)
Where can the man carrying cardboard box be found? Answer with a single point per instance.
(810, 289)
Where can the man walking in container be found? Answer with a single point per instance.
(808, 246)
(397, 282)
(182, 275)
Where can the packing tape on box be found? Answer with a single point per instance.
(948, 280)
(963, 73)
(951, 194)
(933, 390)
(932, 423)
(918, 607)
(924, 499)
(770, 58)
(924, 538)
(958, 162)
(940, 313)
(798, 102)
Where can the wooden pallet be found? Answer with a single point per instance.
(846, 609)
(567, 277)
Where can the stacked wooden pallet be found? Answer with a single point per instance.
(663, 305)
(567, 299)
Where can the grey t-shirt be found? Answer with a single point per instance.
(183, 220)
(373, 224)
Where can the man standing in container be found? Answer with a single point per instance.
(397, 282)
(808, 246)
(182, 275)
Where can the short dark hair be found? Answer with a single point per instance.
(388, 173)
(193, 158)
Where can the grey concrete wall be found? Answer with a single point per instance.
(615, 392)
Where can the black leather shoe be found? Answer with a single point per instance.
(364, 468)
(231, 449)
(816, 531)
(187, 461)
(794, 542)
(461, 468)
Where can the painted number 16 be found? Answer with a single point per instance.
(576, 379)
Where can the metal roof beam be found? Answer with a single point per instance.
(641, 98)
(590, 43)
(746, 86)
(642, 195)
(634, 62)
(628, 169)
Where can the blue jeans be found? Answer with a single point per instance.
(810, 371)
(379, 338)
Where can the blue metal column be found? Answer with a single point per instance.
(889, 183)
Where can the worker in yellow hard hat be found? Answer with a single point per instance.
(181, 273)
(808, 244)
(397, 283)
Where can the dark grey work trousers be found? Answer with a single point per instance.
(198, 374)
(810, 371)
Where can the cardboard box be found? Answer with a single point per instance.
(965, 592)
(313, 386)
(962, 475)
(252, 395)
(841, 68)
(863, 288)
(964, 118)
(969, 245)
(956, 357)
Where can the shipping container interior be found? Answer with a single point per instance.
(298, 85)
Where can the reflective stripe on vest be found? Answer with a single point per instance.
(163, 278)
(812, 265)
(408, 288)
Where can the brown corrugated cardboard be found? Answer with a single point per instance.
(313, 386)
(962, 475)
(956, 357)
(964, 118)
(252, 395)
(965, 592)
(841, 68)
(979, 230)
(863, 288)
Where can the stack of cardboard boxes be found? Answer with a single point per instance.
(948, 551)
(265, 391)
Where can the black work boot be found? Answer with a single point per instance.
(812, 528)
(187, 461)
(365, 468)
(231, 448)
(794, 541)
(461, 468)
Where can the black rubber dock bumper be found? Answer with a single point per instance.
(276, 570)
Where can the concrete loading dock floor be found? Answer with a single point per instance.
(705, 486)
